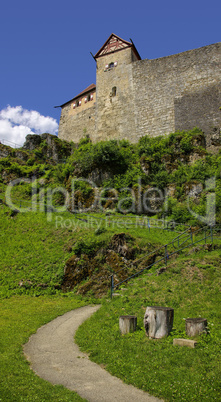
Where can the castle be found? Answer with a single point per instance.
(134, 97)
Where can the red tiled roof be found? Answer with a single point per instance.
(88, 89)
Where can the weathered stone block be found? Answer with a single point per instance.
(184, 342)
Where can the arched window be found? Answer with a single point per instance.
(111, 65)
(114, 91)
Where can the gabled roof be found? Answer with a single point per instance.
(84, 92)
(88, 89)
(113, 44)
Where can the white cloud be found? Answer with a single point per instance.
(16, 123)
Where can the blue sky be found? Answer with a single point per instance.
(46, 45)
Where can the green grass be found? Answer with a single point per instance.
(20, 317)
(33, 249)
(192, 286)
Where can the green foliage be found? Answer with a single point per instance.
(181, 214)
(62, 172)
(103, 155)
(38, 153)
(152, 163)
(88, 246)
(186, 144)
(153, 147)
(84, 140)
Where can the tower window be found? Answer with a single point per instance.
(110, 66)
(114, 91)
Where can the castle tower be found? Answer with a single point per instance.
(115, 116)
(134, 97)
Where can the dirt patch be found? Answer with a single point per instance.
(91, 273)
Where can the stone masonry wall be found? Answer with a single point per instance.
(153, 97)
(200, 108)
(161, 83)
(115, 114)
(74, 126)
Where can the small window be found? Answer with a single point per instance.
(88, 98)
(114, 91)
(92, 96)
(111, 65)
(78, 103)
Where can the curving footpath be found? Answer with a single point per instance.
(56, 358)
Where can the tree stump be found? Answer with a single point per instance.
(158, 321)
(195, 326)
(127, 323)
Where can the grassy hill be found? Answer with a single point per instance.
(53, 261)
(192, 286)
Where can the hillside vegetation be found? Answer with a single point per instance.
(59, 248)
(176, 165)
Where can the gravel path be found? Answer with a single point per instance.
(56, 358)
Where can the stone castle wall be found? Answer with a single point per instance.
(178, 92)
(78, 121)
(115, 114)
(153, 97)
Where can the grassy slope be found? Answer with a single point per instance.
(191, 285)
(20, 317)
(34, 251)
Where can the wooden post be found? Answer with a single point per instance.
(165, 255)
(127, 323)
(195, 326)
(158, 321)
(112, 285)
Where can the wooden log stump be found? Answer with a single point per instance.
(158, 321)
(195, 326)
(127, 323)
